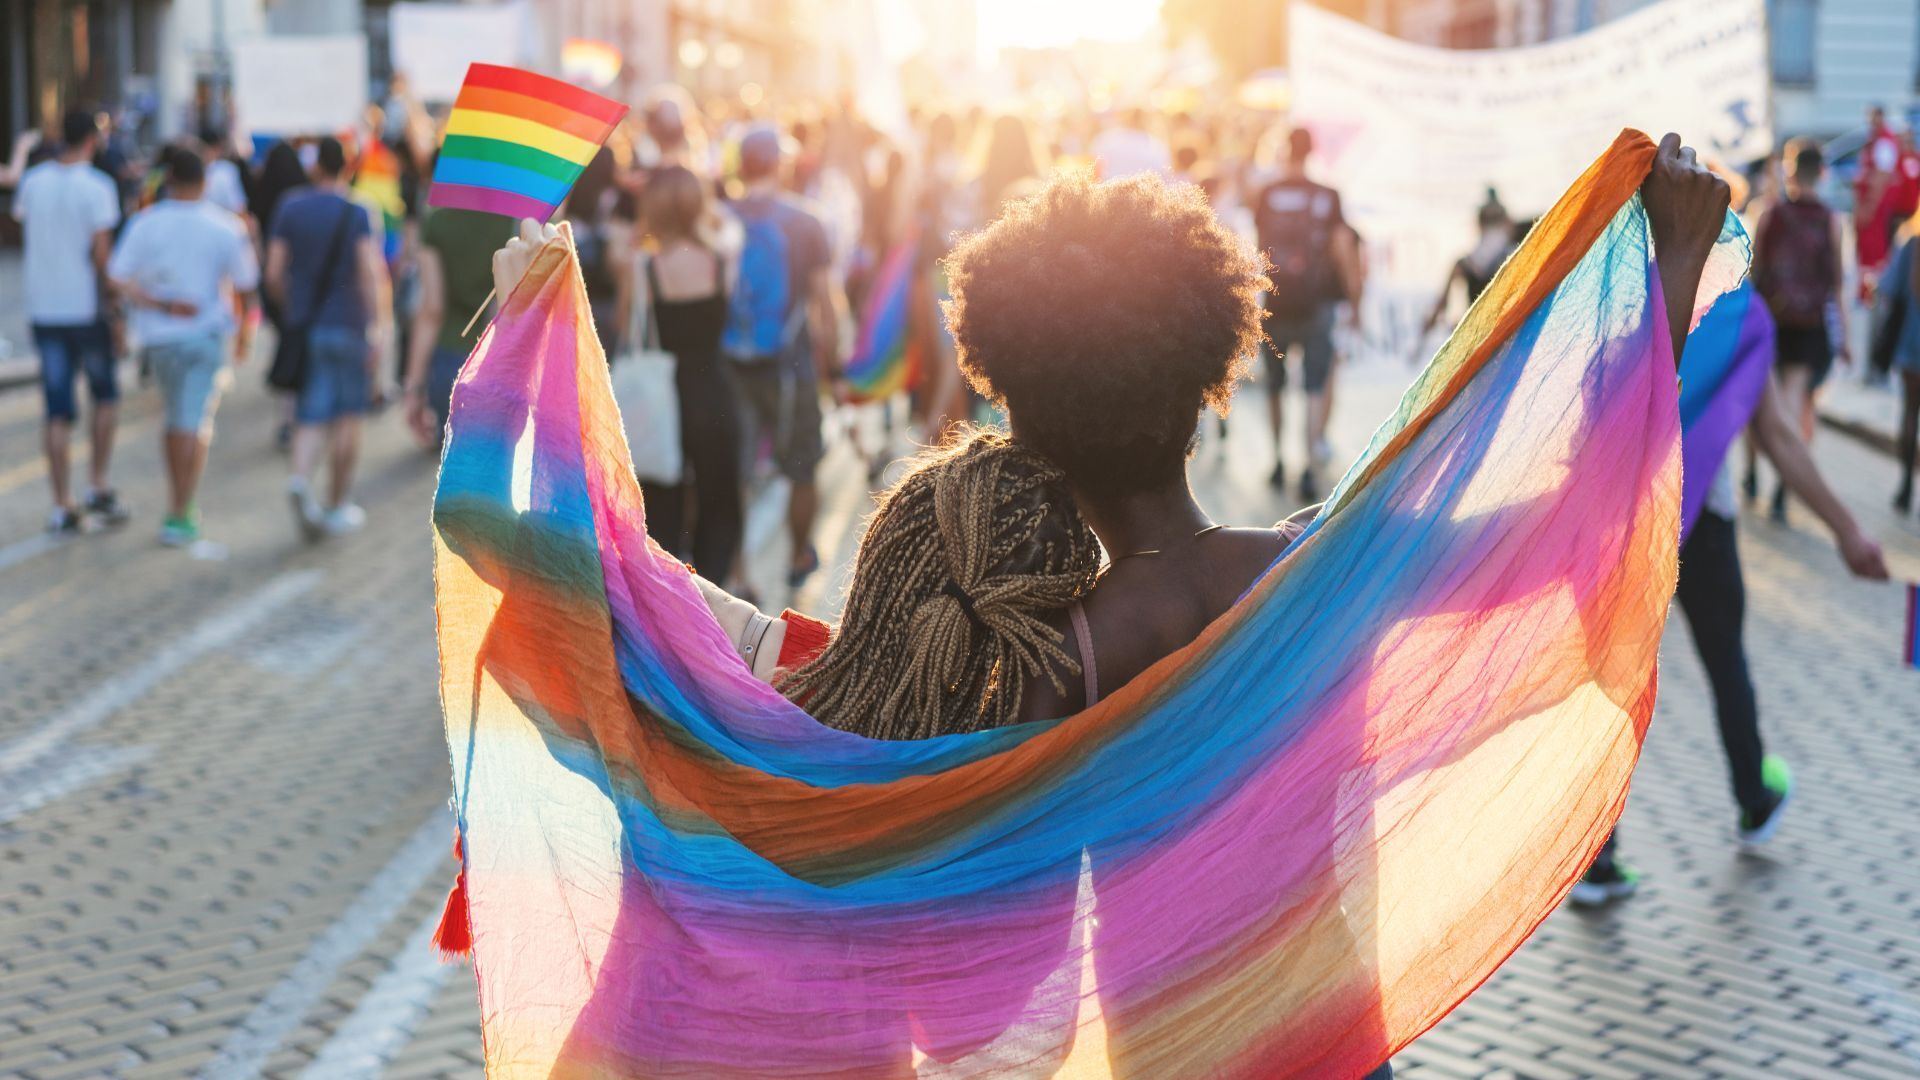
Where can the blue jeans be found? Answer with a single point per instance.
(337, 384)
(442, 369)
(67, 352)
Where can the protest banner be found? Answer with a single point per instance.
(434, 42)
(1413, 135)
(300, 85)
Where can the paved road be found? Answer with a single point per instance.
(223, 835)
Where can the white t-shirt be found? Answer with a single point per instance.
(61, 207)
(188, 251)
(1124, 151)
(224, 187)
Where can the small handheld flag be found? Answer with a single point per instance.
(516, 142)
(1910, 656)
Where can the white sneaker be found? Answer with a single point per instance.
(343, 519)
(306, 509)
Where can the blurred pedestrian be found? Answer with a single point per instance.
(1903, 276)
(225, 184)
(1128, 148)
(783, 331)
(1314, 264)
(186, 269)
(681, 288)
(1010, 166)
(67, 210)
(1796, 268)
(455, 268)
(1875, 193)
(1474, 271)
(1712, 595)
(325, 269)
(602, 216)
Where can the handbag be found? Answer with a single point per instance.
(649, 399)
(289, 368)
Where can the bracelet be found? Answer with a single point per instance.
(756, 630)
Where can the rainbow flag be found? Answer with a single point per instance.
(517, 141)
(884, 362)
(376, 183)
(1284, 851)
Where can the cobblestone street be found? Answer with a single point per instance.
(224, 838)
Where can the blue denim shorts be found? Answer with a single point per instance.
(66, 353)
(442, 370)
(191, 373)
(337, 383)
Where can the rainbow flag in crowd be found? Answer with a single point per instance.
(1722, 372)
(376, 183)
(516, 142)
(884, 361)
(1285, 850)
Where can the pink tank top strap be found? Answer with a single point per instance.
(1083, 640)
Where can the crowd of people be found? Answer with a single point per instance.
(1067, 558)
(748, 244)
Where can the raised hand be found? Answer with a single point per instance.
(1686, 206)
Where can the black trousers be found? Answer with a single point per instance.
(701, 519)
(1713, 599)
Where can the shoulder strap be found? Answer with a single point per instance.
(649, 325)
(1083, 641)
(329, 260)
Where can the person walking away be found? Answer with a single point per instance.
(1796, 268)
(602, 219)
(1474, 270)
(324, 269)
(1314, 263)
(455, 275)
(1129, 149)
(682, 296)
(1712, 595)
(187, 271)
(67, 210)
(783, 331)
(1875, 196)
(1904, 274)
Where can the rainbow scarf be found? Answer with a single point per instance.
(1722, 372)
(1285, 850)
(884, 360)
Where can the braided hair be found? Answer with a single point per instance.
(945, 620)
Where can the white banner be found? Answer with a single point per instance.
(306, 84)
(433, 43)
(1414, 135)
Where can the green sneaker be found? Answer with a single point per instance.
(1778, 780)
(178, 532)
(1602, 885)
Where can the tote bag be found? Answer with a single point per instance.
(644, 387)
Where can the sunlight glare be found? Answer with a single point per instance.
(1050, 23)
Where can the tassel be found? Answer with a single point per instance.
(454, 936)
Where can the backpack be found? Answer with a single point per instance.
(1295, 221)
(1795, 269)
(760, 311)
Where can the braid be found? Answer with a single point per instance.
(946, 618)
